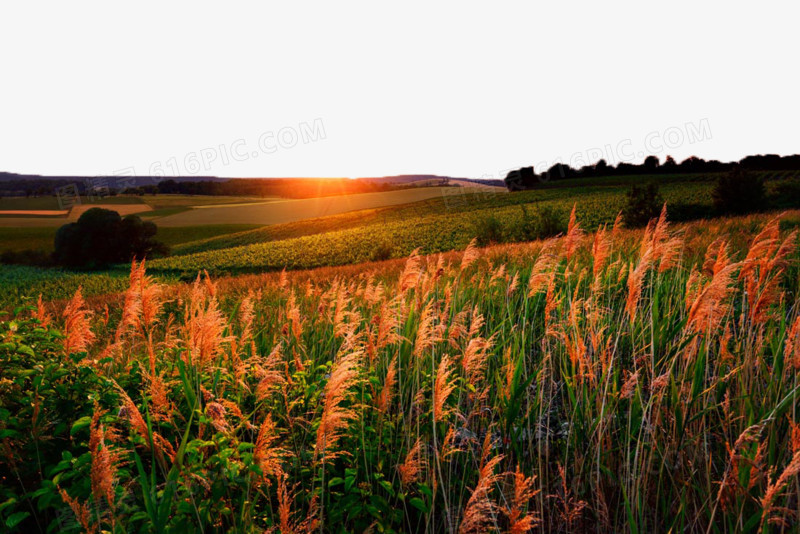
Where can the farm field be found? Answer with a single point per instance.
(619, 381)
(41, 238)
(282, 211)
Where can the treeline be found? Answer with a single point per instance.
(527, 178)
(275, 187)
(262, 187)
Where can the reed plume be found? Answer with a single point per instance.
(41, 314)
(413, 465)
(267, 455)
(105, 460)
(574, 234)
(543, 267)
(82, 512)
(480, 514)
(443, 387)
(336, 416)
(411, 273)
(636, 282)
(78, 334)
(520, 522)
(711, 304)
(775, 488)
(387, 392)
(601, 249)
(471, 254)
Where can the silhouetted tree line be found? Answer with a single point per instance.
(279, 187)
(273, 187)
(526, 178)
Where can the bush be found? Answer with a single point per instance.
(383, 252)
(489, 230)
(642, 203)
(787, 194)
(544, 222)
(739, 191)
(101, 237)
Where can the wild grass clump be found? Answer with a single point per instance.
(614, 381)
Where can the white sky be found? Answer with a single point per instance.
(459, 88)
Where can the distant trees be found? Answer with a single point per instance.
(525, 178)
(650, 163)
(518, 180)
(101, 237)
(739, 191)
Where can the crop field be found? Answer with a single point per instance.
(282, 211)
(158, 202)
(614, 381)
(51, 202)
(311, 244)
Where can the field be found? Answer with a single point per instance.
(380, 369)
(41, 238)
(617, 381)
(283, 211)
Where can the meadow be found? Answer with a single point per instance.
(615, 381)
(277, 211)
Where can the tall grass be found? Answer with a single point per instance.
(621, 381)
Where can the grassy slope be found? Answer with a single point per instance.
(41, 238)
(283, 211)
(430, 226)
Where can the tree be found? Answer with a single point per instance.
(642, 204)
(739, 191)
(651, 163)
(520, 179)
(101, 237)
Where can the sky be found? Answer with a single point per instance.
(354, 89)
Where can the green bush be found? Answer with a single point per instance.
(545, 221)
(787, 194)
(739, 191)
(642, 203)
(489, 230)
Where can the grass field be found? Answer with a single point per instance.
(283, 211)
(429, 227)
(51, 202)
(158, 202)
(16, 239)
(623, 381)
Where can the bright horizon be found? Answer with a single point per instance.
(360, 89)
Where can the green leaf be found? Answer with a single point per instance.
(419, 504)
(25, 349)
(335, 481)
(80, 424)
(15, 519)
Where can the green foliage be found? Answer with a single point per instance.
(544, 222)
(642, 203)
(46, 403)
(739, 191)
(489, 230)
(101, 237)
